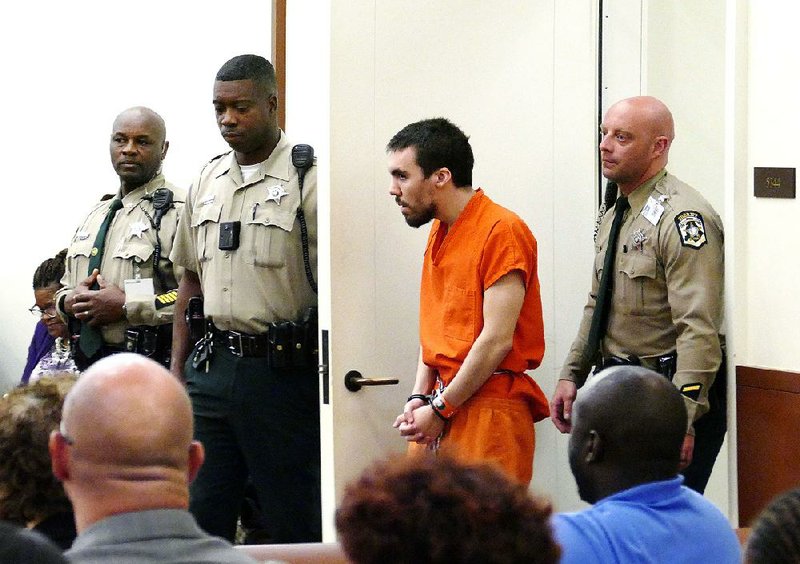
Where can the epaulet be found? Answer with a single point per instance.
(205, 166)
(107, 197)
(218, 157)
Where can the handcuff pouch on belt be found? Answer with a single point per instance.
(611, 361)
(293, 344)
(151, 341)
(666, 365)
(289, 344)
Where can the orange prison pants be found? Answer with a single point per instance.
(496, 425)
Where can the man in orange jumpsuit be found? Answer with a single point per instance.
(480, 309)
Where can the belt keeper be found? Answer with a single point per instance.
(442, 407)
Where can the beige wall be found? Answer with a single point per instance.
(771, 231)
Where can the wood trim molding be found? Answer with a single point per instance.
(279, 55)
(767, 419)
(768, 379)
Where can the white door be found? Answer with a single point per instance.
(519, 78)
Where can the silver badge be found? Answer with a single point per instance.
(275, 193)
(138, 229)
(638, 238)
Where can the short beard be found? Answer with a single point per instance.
(421, 219)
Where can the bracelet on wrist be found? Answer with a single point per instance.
(442, 407)
(422, 397)
(439, 414)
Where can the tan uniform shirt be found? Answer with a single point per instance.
(264, 279)
(128, 255)
(667, 288)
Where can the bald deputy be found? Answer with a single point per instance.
(657, 283)
(126, 456)
(119, 287)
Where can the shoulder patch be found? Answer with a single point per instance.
(691, 229)
(166, 299)
(692, 391)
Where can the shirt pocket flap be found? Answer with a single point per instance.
(205, 214)
(81, 246)
(639, 266)
(137, 249)
(272, 216)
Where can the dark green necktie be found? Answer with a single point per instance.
(91, 340)
(600, 316)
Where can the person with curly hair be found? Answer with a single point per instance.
(433, 509)
(775, 535)
(30, 495)
(50, 350)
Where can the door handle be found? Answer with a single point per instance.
(353, 381)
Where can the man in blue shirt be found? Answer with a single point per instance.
(628, 427)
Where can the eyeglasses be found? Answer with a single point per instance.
(47, 313)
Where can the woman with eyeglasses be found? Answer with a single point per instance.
(49, 352)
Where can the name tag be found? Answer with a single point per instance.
(138, 289)
(652, 210)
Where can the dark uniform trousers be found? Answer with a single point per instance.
(709, 433)
(260, 422)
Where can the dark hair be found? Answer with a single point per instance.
(646, 443)
(28, 489)
(439, 143)
(436, 510)
(250, 67)
(775, 536)
(50, 271)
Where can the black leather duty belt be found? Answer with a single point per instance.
(242, 344)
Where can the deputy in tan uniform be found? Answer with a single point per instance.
(665, 306)
(248, 241)
(129, 297)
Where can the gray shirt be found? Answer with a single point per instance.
(160, 535)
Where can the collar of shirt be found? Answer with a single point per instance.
(278, 165)
(651, 492)
(639, 196)
(146, 189)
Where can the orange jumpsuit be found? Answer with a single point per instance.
(486, 242)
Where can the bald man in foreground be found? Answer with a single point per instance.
(126, 457)
(628, 468)
(657, 288)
